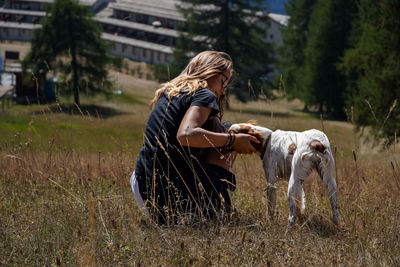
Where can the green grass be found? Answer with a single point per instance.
(131, 99)
(39, 127)
(65, 197)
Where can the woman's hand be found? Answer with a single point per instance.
(242, 143)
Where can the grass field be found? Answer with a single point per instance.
(65, 197)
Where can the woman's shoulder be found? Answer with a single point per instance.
(198, 93)
(205, 92)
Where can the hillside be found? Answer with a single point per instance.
(66, 198)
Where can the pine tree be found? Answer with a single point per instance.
(292, 58)
(328, 38)
(69, 42)
(374, 62)
(237, 27)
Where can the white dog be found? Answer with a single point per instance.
(292, 156)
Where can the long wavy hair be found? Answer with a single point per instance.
(194, 76)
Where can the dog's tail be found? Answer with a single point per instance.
(318, 154)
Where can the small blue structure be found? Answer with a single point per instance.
(50, 87)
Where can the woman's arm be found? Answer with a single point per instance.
(191, 134)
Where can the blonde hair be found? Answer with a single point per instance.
(201, 67)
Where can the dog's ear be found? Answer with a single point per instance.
(317, 146)
(260, 137)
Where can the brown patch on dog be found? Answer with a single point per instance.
(252, 122)
(246, 129)
(292, 148)
(317, 145)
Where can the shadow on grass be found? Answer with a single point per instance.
(319, 226)
(260, 112)
(317, 115)
(84, 110)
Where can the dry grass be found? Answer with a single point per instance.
(73, 208)
(64, 205)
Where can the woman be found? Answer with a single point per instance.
(184, 166)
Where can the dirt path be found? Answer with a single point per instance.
(133, 84)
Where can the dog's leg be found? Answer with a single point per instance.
(300, 200)
(327, 172)
(293, 189)
(303, 200)
(270, 170)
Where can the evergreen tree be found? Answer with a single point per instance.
(69, 42)
(237, 27)
(330, 26)
(292, 58)
(374, 61)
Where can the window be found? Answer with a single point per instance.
(144, 52)
(12, 55)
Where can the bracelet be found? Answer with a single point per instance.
(233, 140)
(227, 144)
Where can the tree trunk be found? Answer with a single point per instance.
(75, 79)
(226, 27)
(320, 108)
(226, 41)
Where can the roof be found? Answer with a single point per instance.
(136, 43)
(83, 2)
(158, 8)
(279, 18)
(37, 1)
(88, 2)
(16, 25)
(137, 26)
(22, 12)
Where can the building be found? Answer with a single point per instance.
(18, 18)
(144, 31)
(277, 22)
(274, 35)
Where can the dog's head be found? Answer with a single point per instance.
(261, 133)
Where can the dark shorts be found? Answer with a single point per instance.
(224, 176)
(207, 194)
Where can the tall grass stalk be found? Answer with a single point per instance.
(64, 205)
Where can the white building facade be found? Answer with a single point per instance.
(18, 18)
(140, 30)
(144, 31)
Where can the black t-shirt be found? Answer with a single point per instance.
(161, 154)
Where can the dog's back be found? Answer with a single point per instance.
(311, 146)
(293, 155)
